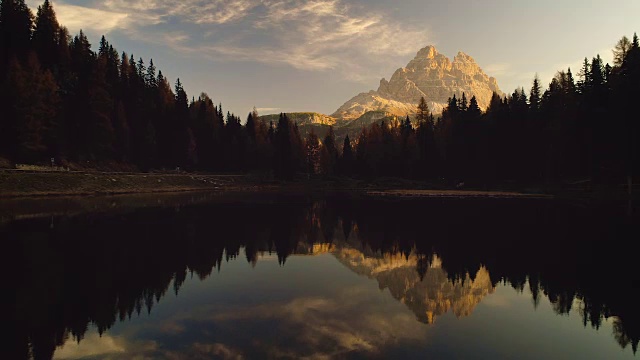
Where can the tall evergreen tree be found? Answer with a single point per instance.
(150, 77)
(347, 161)
(45, 36)
(16, 25)
(423, 111)
(536, 95)
(329, 153)
(621, 50)
(283, 166)
(33, 112)
(312, 153)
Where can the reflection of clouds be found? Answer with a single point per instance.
(357, 320)
(206, 351)
(172, 328)
(316, 327)
(104, 346)
(497, 301)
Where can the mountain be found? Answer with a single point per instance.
(429, 74)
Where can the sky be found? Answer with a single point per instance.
(314, 55)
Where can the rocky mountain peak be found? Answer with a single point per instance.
(430, 75)
(428, 52)
(462, 57)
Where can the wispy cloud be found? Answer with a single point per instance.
(498, 69)
(77, 18)
(314, 35)
(147, 12)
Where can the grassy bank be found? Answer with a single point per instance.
(38, 183)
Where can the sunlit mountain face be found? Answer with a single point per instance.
(336, 276)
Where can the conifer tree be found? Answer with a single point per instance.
(621, 50)
(423, 110)
(34, 108)
(283, 166)
(312, 153)
(462, 106)
(473, 110)
(535, 96)
(16, 25)
(329, 153)
(347, 159)
(45, 36)
(150, 76)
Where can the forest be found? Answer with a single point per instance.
(105, 109)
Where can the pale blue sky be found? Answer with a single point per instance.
(313, 55)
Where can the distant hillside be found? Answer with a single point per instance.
(320, 123)
(302, 118)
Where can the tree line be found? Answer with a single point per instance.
(63, 100)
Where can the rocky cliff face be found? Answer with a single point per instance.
(429, 74)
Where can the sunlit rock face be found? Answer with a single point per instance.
(429, 74)
(429, 297)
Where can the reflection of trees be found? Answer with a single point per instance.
(99, 269)
(558, 250)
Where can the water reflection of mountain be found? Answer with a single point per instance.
(429, 294)
(70, 272)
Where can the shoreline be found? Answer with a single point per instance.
(38, 184)
(51, 184)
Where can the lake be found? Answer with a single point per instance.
(331, 276)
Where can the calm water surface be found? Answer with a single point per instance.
(333, 277)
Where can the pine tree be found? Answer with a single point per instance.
(180, 134)
(329, 153)
(423, 111)
(585, 77)
(16, 25)
(406, 125)
(283, 166)
(251, 127)
(34, 108)
(141, 70)
(45, 36)
(150, 76)
(312, 153)
(621, 50)
(535, 97)
(463, 105)
(122, 134)
(473, 110)
(347, 160)
(99, 131)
